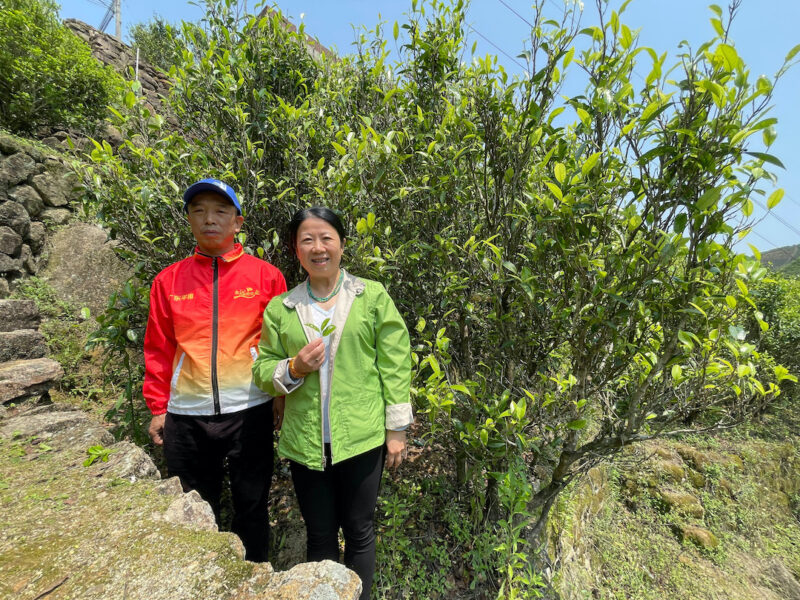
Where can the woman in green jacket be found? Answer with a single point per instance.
(338, 350)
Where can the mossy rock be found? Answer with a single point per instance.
(699, 536)
(682, 502)
(698, 480)
(728, 486)
(665, 453)
(670, 470)
(694, 457)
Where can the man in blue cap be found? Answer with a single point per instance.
(201, 340)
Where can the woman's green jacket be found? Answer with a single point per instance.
(370, 366)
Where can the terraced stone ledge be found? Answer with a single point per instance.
(114, 529)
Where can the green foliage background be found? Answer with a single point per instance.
(565, 266)
(48, 77)
(154, 40)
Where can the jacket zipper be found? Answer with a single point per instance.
(214, 336)
(330, 387)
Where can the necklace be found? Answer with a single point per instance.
(335, 291)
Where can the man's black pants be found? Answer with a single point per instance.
(343, 495)
(196, 448)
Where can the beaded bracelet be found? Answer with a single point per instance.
(293, 372)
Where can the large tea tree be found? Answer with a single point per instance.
(565, 266)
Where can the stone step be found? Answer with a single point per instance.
(23, 379)
(21, 344)
(18, 314)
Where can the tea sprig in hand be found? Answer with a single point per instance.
(325, 329)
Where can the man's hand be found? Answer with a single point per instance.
(156, 429)
(278, 404)
(310, 358)
(395, 448)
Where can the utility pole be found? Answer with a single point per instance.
(118, 15)
(114, 10)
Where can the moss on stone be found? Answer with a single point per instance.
(699, 536)
(682, 502)
(95, 538)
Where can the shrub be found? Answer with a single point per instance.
(566, 268)
(47, 75)
(155, 40)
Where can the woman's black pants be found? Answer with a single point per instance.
(343, 496)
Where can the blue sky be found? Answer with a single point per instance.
(763, 32)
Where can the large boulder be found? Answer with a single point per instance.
(83, 267)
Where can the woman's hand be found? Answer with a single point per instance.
(395, 448)
(311, 357)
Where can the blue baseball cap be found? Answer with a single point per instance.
(211, 185)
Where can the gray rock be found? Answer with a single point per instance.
(129, 461)
(192, 511)
(51, 189)
(10, 265)
(10, 241)
(82, 266)
(71, 186)
(23, 379)
(326, 580)
(18, 314)
(36, 236)
(14, 215)
(53, 142)
(21, 344)
(17, 168)
(27, 197)
(169, 487)
(113, 136)
(28, 260)
(58, 216)
(4, 288)
(61, 427)
(10, 145)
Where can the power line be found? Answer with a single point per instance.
(755, 233)
(506, 54)
(516, 13)
(788, 197)
(786, 224)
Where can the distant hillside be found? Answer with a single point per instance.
(782, 257)
(791, 269)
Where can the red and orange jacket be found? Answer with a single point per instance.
(203, 332)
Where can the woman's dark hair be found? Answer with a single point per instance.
(318, 212)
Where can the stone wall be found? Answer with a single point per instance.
(36, 188)
(110, 51)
